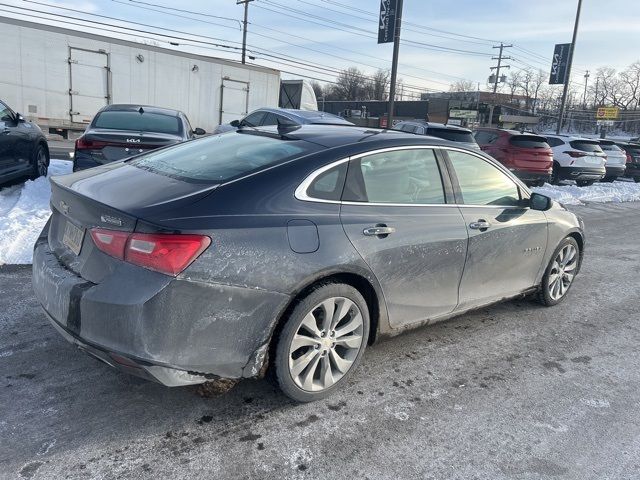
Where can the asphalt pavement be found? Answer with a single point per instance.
(514, 391)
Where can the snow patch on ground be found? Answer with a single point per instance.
(24, 209)
(598, 192)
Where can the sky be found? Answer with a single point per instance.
(322, 36)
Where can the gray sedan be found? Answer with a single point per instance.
(289, 249)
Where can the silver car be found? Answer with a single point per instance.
(252, 250)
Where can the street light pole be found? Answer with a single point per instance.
(394, 64)
(567, 77)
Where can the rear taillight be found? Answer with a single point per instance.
(162, 252)
(84, 144)
(629, 158)
(575, 154)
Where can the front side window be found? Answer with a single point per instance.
(400, 176)
(482, 183)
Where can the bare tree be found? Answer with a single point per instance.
(317, 89)
(630, 84)
(350, 85)
(514, 83)
(378, 85)
(463, 86)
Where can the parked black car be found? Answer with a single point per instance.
(452, 133)
(632, 150)
(290, 249)
(121, 131)
(264, 117)
(23, 147)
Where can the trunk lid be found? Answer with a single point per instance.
(107, 145)
(115, 197)
(530, 152)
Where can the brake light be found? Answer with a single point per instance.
(84, 144)
(629, 158)
(163, 252)
(575, 154)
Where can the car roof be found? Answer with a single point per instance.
(335, 136)
(308, 116)
(126, 107)
(510, 131)
(427, 124)
(569, 138)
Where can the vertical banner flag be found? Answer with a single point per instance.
(559, 63)
(387, 23)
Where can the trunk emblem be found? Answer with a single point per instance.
(64, 208)
(111, 220)
(133, 140)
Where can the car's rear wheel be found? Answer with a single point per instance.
(322, 342)
(554, 179)
(636, 179)
(560, 273)
(608, 179)
(40, 163)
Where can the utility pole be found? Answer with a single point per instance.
(497, 68)
(584, 98)
(567, 77)
(244, 27)
(394, 64)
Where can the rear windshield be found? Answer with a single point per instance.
(586, 146)
(610, 147)
(220, 158)
(451, 134)
(139, 122)
(529, 141)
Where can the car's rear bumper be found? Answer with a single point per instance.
(83, 160)
(532, 176)
(615, 170)
(581, 173)
(173, 331)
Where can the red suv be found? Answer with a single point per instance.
(527, 155)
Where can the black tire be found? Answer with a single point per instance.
(636, 179)
(544, 295)
(540, 183)
(40, 163)
(585, 183)
(608, 179)
(304, 307)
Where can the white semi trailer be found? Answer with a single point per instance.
(59, 78)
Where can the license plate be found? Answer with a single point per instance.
(73, 237)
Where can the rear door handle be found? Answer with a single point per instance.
(378, 230)
(481, 225)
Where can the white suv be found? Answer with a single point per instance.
(577, 158)
(616, 160)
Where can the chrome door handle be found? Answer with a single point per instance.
(480, 225)
(379, 230)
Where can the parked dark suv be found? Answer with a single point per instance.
(632, 151)
(527, 155)
(452, 133)
(23, 147)
(122, 131)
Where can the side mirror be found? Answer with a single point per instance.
(235, 123)
(539, 202)
(19, 118)
(199, 131)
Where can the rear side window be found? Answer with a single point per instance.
(219, 158)
(138, 122)
(585, 146)
(484, 138)
(554, 142)
(328, 185)
(528, 141)
(451, 134)
(254, 119)
(481, 183)
(610, 147)
(401, 176)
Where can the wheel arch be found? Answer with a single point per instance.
(361, 281)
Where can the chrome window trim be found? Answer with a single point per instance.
(301, 191)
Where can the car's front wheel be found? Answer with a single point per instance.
(40, 163)
(560, 273)
(322, 342)
(585, 183)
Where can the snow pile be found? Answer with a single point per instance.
(598, 192)
(24, 209)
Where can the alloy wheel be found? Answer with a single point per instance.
(563, 271)
(326, 344)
